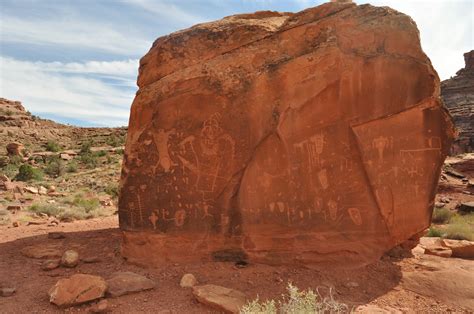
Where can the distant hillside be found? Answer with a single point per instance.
(19, 125)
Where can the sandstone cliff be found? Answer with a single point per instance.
(458, 95)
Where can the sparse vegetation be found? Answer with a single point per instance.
(53, 146)
(116, 141)
(72, 166)
(10, 170)
(73, 208)
(441, 215)
(434, 232)
(54, 167)
(28, 173)
(89, 160)
(112, 190)
(296, 302)
(85, 148)
(461, 227)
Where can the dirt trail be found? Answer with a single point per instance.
(379, 284)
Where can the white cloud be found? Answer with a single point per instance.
(446, 29)
(71, 90)
(171, 11)
(72, 32)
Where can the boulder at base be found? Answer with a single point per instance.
(127, 282)
(221, 298)
(314, 138)
(77, 289)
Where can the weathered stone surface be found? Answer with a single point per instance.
(221, 298)
(77, 289)
(50, 264)
(458, 95)
(460, 248)
(49, 251)
(314, 137)
(127, 282)
(15, 149)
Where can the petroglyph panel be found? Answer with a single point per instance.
(314, 138)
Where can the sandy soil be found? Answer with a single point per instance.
(378, 284)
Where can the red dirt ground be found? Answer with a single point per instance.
(378, 284)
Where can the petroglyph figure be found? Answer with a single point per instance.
(161, 141)
(381, 143)
(355, 215)
(210, 156)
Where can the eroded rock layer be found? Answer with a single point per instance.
(312, 138)
(458, 95)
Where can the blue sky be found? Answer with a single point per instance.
(76, 61)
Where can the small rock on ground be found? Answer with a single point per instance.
(188, 281)
(70, 259)
(77, 289)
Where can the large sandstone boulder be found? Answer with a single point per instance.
(314, 138)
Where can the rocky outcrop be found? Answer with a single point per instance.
(313, 138)
(458, 95)
(20, 126)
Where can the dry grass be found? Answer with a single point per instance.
(295, 302)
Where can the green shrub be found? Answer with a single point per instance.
(54, 167)
(28, 173)
(89, 160)
(52, 146)
(112, 189)
(434, 233)
(16, 160)
(10, 170)
(85, 148)
(48, 209)
(115, 140)
(296, 302)
(72, 166)
(79, 200)
(441, 215)
(101, 153)
(460, 227)
(119, 151)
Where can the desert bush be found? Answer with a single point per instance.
(85, 148)
(89, 160)
(10, 170)
(441, 215)
(297, 302)
(115, 140)
(28, 173)
(100, 153)
(434, 233)
(52, 146)
(15, 160)
(55, 167)
(461, 227)
(112, 189)
(88, 204)
(48, 209)
(72, 167)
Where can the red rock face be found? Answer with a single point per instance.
(313, 138)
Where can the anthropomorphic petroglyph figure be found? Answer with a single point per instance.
(161, 141)
(210, 156)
